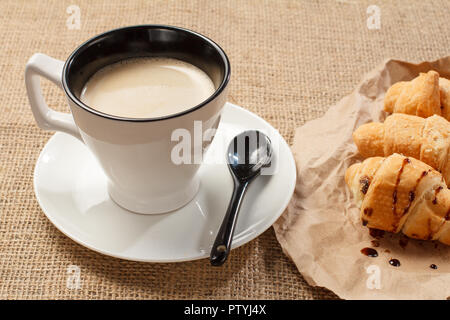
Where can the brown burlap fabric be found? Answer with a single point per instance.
(290, 60)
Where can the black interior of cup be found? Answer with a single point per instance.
(144, 41)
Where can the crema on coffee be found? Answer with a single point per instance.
(147, 87)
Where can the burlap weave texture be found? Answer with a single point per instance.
(290, 61)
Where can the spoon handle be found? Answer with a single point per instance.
(222, 244)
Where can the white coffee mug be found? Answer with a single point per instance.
(134, 153)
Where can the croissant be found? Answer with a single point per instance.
(420, 96)
(425, 139)
(401, 193)
(444, 92)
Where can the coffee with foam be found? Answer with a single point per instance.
(147, 88)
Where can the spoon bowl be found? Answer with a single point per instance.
(247, 153)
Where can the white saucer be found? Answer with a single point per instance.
(71, 190)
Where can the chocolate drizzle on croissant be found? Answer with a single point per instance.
(404, 195)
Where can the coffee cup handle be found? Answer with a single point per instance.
(41, 65)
